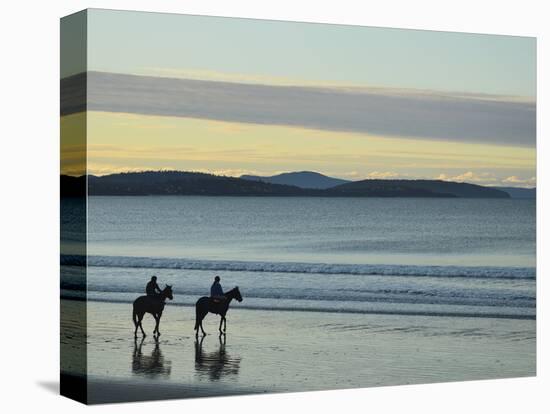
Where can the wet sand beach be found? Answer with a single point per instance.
(283, 351)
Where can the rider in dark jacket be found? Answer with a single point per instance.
(216, 291)
(152, 289)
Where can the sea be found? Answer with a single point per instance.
(394, 256)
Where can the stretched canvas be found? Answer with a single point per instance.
(254, 206)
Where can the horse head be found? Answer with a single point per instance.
(238, 294)
(167, 292)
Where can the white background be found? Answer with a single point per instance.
(29, 134)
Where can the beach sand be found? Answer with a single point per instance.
(284, 351)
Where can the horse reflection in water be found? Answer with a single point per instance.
(151, 366)
(215, 364)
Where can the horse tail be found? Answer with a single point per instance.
(134, 315)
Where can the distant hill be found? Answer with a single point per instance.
(515, 192)
(183, 183)
(192, 183)
(425, 188)
(302, 179)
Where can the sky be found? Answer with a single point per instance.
(240, 96)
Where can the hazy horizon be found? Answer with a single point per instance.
(290, 172)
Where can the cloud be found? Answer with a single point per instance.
(213, 75)
(351, 175)
(379, 111)
(382, 175)
(532, 181)
(489, 179)
(106, 169)
(229, 172)
(470, 177)
(356, 175)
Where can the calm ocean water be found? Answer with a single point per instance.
(472, 257)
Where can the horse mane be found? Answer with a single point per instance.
(232, 290)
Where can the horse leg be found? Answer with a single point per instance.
(140, 318)
(199, 317)
(134, 319)
(200, 325)
(157, 319)
(197, 320)
(224, 321)
(158, 323)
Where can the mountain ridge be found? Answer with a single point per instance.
(461, 190)
(195, 183)
(302, 179)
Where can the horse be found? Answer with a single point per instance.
(207, 304)
(153, 305)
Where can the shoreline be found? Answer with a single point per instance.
(328, 311)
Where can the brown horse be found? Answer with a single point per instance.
(153, 305)
(206, 304)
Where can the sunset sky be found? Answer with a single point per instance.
(237, 96)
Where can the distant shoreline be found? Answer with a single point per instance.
(183, 183)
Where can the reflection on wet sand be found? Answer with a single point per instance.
(216, 364)
(150, 366)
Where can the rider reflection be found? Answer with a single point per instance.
(151, 366)
(215, 364)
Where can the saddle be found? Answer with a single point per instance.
(216, 300)
(154, 298)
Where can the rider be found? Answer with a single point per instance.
(216, 291)
(152, 289)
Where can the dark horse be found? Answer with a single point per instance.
(206, 304)
(153, 305)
